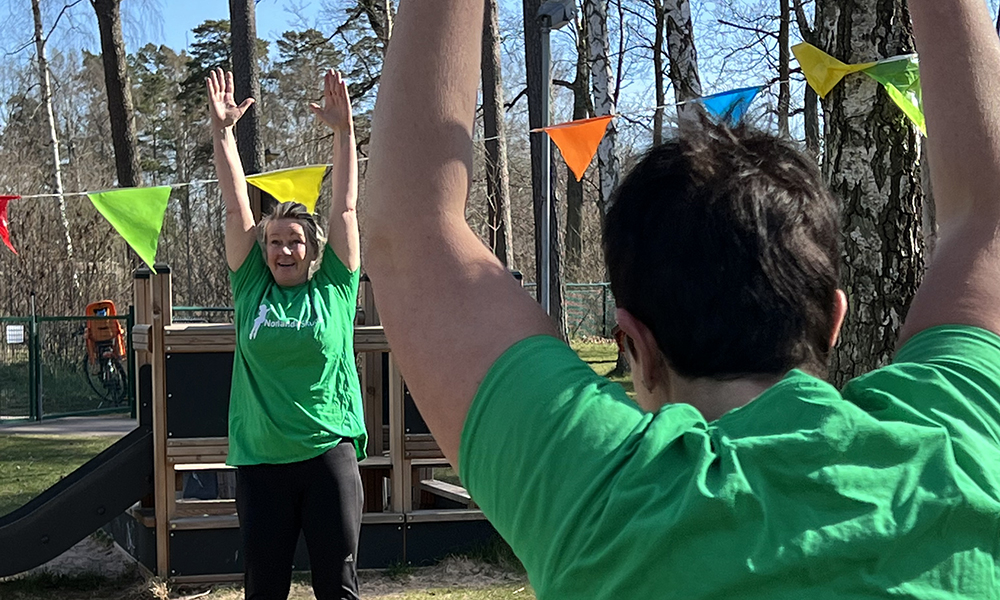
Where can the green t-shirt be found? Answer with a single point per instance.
(889, 490)
(295, 390)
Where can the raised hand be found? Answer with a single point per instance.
(221, 105)
(336, 109)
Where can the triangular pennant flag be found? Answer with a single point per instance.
(136, 214)
(732, 105)
(822, 71)
(4, 231)
(578, 141)
(901, 78)
(299, 184)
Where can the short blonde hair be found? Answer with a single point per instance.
(296, 212)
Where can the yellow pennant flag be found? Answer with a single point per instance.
(822, 71)
(136, 214)
(578, 141)
(298, 184)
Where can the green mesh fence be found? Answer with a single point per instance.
(590, 308)
(46, 370)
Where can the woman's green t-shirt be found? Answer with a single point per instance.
(295, 390)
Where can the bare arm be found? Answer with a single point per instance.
(449, 307)
(224, 113)
(959, 60)
(343, 222)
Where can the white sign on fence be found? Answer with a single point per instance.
(15, 334)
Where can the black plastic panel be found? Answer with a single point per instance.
(198, 394)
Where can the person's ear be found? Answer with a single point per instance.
(641, 348)
(839, 314)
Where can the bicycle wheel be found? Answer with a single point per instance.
(95, 379)
(115, 381)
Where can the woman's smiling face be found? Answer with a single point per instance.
(288, 252)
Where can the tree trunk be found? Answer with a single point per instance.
(659, 25)
(811, 119)
(246, 84)
(811, 100)
(380, 16)
(536, 87)
(784, 51)
(57, 186)
(596, 14)
(683, 56)
(929, 213)
(871, 156)
(494, 130)
(582, 108)
(120, 107)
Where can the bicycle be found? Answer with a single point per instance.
(102, 364)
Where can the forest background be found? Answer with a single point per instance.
(642, 60)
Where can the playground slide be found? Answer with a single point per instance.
(78, 505)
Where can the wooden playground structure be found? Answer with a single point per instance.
(183, 379)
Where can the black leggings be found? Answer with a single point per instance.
(321, 497)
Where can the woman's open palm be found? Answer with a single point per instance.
(222, 106)
(336, 109)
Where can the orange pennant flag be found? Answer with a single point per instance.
(578, 141)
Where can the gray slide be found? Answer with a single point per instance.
(78, 505)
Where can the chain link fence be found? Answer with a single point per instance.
(590, 309)
(46, 370)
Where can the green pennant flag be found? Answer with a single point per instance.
(901, 78)
(136, 214)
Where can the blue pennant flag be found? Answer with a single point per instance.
(732, 105)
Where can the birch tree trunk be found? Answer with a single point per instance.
(57, 186)
(596, 14)
(683, 56)
(871, 157)
(494, 130)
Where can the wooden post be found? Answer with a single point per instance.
(163, 484)
(371, 370)
(402, 473)
(372, 480)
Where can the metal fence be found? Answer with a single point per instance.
(590, 308)
(47, 372)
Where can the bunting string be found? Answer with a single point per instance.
(137, 213)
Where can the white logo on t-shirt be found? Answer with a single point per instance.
(262, 321)
(261, 317)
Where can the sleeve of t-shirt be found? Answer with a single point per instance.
(946, 376)
(542, 444)
(334, 273)
(253, 269)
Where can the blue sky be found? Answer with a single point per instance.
(179, 17)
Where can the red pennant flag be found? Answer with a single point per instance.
(4, 231)
(578, 141)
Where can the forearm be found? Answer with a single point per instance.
(421, 158)
(959, 63)
(229, 172)
(344, 174)
(343, 223)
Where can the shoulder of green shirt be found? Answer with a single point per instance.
(331, 266)
(253, 266)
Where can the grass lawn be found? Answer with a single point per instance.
(602, 355)
(453, 579)
(31, 463)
